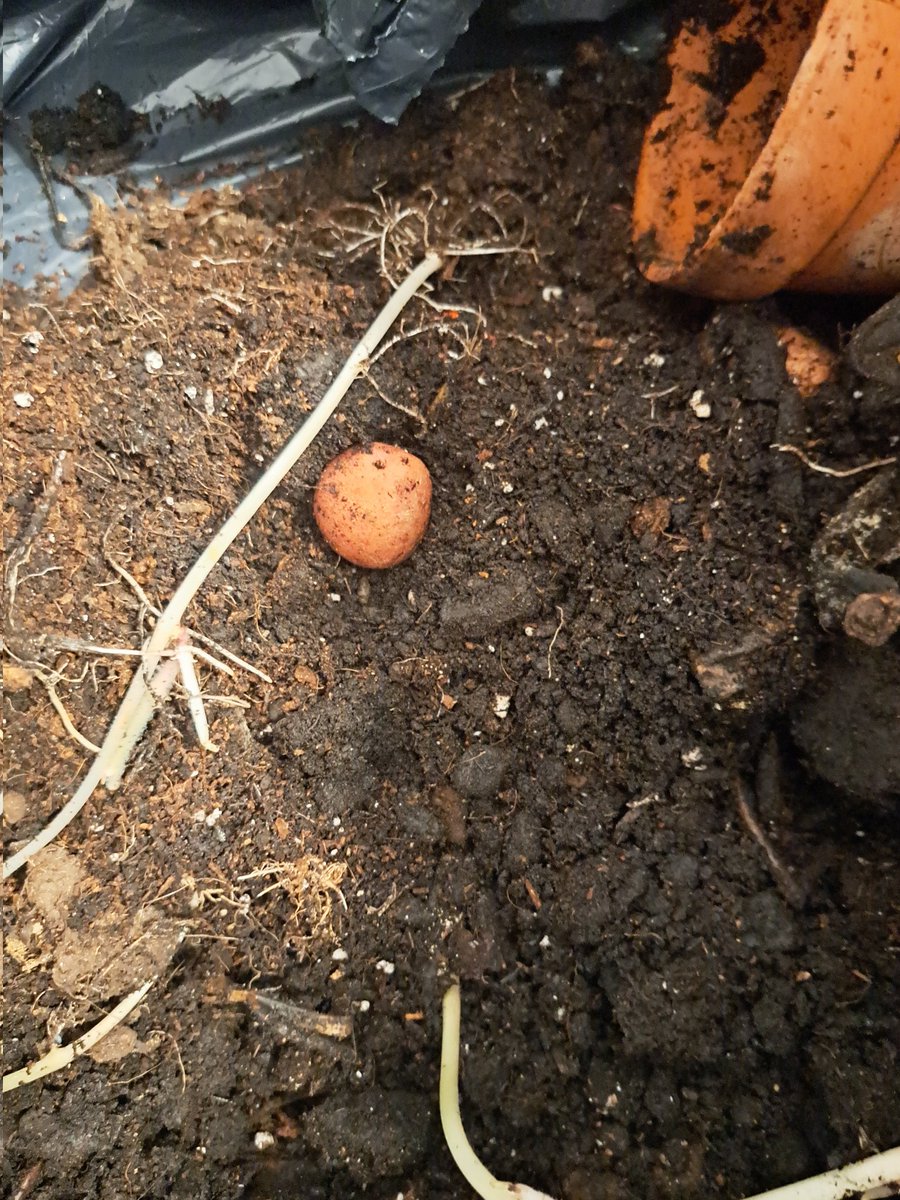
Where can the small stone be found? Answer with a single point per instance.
(16, 678)
(153, 362)
(23, 399)
(306, 677)
(700, 407)
(448, 804)
(716, 679)
(15, 806)
(873, 617)
(489, 604)
(651, 517)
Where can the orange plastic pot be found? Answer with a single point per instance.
(775, 161)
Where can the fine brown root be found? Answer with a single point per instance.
(312, 884)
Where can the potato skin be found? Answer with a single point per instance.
(372, 504)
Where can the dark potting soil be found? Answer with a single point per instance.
(520, 758)
(100, 122)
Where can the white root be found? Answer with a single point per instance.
(196, 707)
(869, 1176)
(476, 1173)
(68, 724)
(847, 1181)
(61, 1056)
(138, 705)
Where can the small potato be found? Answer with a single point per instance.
(372, 504)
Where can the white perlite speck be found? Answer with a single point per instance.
(153, 362)
(23, 399)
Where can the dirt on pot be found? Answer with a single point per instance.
(525, 757)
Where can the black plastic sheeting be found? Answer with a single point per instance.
(223, 82)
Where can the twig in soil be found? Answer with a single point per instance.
(784, 880)
(61, 1056)
(844, 473)
(79, 646)
(181, 1071)
(476, 1173)
(291, 1018)
(556, 632)
(879, 1171)
(226, 701)
(29, 1182)
(47, 173)
(43, 308)
(20, 555)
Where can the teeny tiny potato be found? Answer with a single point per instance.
(372, 504)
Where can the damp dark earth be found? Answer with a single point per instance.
(604, 747)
